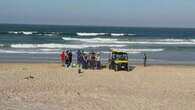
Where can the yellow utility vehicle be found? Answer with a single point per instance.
(118, 60)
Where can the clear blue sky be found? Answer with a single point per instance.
(158, 13)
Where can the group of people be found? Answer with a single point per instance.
(88, 60)
(84, 60)
(66, 58)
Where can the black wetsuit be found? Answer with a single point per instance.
(145, 59)
(69, 59)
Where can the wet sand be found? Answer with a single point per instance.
(52, 87)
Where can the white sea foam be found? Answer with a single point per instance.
(142, 41)
(117, 34)
(131, 34)
(27, 33)
(92, 40)
(142, 50)
(108, 52)
(137, 51)
(13, 32)
(102, 34)
(90, 34)
(165, 41)
(37, 46)
(28, 52)
(22, 32)
(162, 43)
(98, 40)
(171, 40)
(73, 46)
(193, 40)
(49, 50)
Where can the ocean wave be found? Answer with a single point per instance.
(73, 46)
(131, 34)
(49, 50)
(22, 32)
(118, 34)
(91, 34)
(97, 40)
(165, 41)
(67, 33)
(142, 41)
(105, 34)
(161, 43)
(108, 52)
(27, 33)
(4, 46)
(92, 40)
(136, 51)
(13, 32)
(27, 52)
(57, 51)
(174, 40)
(35, 33)
(193, 40)
(141, 50)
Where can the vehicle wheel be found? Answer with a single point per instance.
(110, 66)
(116, 68)
(127, 68)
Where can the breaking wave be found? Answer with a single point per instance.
(22, 32)
(57, 51)
(91, 40)
(66, 33)
(91, 34)
(162, 43)
(1, 45)
(73, 46)
(143, 41)
(143, 50)
(108, 52)
(172, 40)
(29, 52)
(105, 34)
(118, 34)
(136, 51)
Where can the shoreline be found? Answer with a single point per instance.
(155, 58)
(58, 63)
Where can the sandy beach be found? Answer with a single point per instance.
(52, 87)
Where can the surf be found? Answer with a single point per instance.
(73, 46)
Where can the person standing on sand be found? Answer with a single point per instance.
(93, 62)
(98, 63)
(84, 63)
(145, 59)
(62, 58)
(78, 57)
(66, 59)
(69, 53)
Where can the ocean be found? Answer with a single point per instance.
(43, 43)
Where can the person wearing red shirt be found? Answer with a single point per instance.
(62, 58)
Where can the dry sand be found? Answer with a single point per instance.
(51, 87)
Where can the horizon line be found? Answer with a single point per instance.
(99, 25)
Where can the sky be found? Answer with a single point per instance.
(147, 13)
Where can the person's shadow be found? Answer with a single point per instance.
(80, 71)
